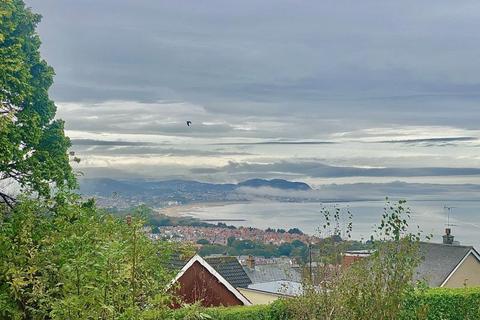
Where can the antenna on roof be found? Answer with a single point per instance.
(449, 212)
(448, 238)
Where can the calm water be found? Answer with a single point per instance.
(429, 215)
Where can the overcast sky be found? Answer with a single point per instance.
(320, 91)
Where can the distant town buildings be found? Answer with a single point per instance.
(220, 235)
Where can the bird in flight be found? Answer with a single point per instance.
(189, 123)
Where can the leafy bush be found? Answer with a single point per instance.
(74, 261)
(372, 288)
(443, 304)
(430, 304)
(275, 311)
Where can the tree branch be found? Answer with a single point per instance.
(8, 200)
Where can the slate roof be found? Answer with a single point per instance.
(438, 261)
(273, 272)
(287, 288)
(230, 269)
(176, 261)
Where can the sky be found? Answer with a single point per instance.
(318, 91)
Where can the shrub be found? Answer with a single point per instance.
(430, 304)
(275, 311)
(443, 304)
(75, 261)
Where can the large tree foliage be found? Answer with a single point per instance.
(33, 147)
(73, 261)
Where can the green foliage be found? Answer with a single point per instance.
(275, 311)
(295, 231)
(431, 304)
(73, 261)
(248, 247)
(296, 249)
(443, 304)
(33, 147)
(373, 288)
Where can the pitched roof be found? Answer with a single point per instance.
(439, 261)
(231, 270)
(273, 272)
(177, 261)
(280, 287)
(217, 275)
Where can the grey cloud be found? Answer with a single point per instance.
(375, 191)
(330, 59)
(277, 143)
(93, 142)
(433, 141)
(316, 169)
(268, 76)
(204, 170)
(166, 152)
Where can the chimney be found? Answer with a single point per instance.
(447, 237)
(251, 262)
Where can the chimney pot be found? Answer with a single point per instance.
(447, 237)
(251, 262)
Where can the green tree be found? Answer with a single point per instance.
(230, 241)
(297, 243)
(203, 241)
(285, 249)
(33, 147)
(295, 231)
(77, 262)
(374, 288)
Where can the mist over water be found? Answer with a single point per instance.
(430, 216)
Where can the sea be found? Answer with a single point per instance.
(430, 217)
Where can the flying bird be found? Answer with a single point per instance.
(189, 123)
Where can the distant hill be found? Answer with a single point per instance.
(275, 183)
(127, 193)
(106, 186)
(138, 191)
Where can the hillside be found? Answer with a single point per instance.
(123, 193)
(276, 184)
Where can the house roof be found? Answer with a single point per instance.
(177, 261)
(216, 274)
(281, 287)
(231, 270)
(439, 261)
(273, 272)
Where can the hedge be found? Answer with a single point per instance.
(444, 304)
(432, 304)
(273, 311)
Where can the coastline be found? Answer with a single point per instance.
(183, 209)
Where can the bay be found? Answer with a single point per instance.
(429, 216)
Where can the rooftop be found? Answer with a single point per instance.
(273, 272)
(439, 261)
(288, 288)
(230, 269)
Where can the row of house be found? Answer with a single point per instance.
(223, 281)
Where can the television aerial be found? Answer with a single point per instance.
(449, 212)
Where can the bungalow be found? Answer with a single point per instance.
(444, 265)
(449, 266)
